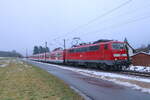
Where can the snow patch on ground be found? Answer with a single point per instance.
(106, 74)
(3, 65)
(139, 68)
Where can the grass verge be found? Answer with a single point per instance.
(20, 81)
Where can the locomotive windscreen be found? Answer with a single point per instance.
(118, 46)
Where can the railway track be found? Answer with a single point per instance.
(125, 72)
(141, 74)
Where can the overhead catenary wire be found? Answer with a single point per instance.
(120, 25)
(103, 15)
(133, 20)
(128, 13)
(97, 18)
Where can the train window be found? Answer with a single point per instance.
(106, 46)
(93, 48)
(72, 51)
(79, 50)
(58, 55)
(118, 46)
(85, 49)
(76, 50)
(47, 56)
(52, 55)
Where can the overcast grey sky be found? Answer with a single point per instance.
(25, 23)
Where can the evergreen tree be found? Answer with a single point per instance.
(41, 49)
(10, 54)
(36, 50)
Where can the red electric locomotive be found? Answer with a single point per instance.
(110, 55)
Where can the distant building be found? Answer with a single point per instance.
(141, 59)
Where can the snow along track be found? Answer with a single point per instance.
(142, 74)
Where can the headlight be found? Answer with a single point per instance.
(116, 55)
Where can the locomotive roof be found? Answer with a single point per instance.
(94, 44)
(102, 40)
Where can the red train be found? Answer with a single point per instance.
(107, 55)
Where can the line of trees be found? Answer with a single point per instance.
(10, 54)
(40, 49)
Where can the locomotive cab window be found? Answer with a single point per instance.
(118, 46)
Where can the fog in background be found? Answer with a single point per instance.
(25, 23)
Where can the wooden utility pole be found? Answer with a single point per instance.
(45, 50)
